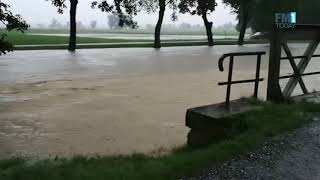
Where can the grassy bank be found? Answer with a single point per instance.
(17, 38)
(135, 45)
(246, 131)
(50, 42)
(217, 32)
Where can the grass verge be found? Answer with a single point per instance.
(137, 45)
(246, 132)
(50, 42)
(18, 38)
(217, 32)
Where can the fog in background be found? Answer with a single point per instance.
(42, 12)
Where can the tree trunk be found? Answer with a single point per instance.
(208, 26)
(73, 25)
(243, 23)
(157, 33)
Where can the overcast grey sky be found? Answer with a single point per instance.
(41, 11)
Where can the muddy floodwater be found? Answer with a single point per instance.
(115, 101)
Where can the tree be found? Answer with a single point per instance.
(201, 8)
(55, 24)
(11, 22)
(113, 21)
(93, 24)
(157, 32)
(244, 15)
(244, 10)
(41, 26)
(151, 6)
(80, 25)
(124, 9)
(61, 4)
(185, 26)
(149, 26)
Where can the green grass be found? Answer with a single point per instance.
(140, 45)
(201, 31)
(46, 42)
(17, 38)
(246, 132)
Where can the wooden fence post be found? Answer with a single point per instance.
(274, 92)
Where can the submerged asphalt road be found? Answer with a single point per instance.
(30, 64)
(43, 63)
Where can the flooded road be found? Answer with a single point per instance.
(114, 101)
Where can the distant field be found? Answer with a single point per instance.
(218, 32)
(18, 38)
(27, 39)
(58, 39)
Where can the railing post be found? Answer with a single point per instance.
(274, 92)
(229, 82)
(256, 83)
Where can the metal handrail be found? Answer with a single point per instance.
(221, 59)
(230, 82)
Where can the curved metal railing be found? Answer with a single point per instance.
(230, 82)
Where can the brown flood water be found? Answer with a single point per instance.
(114, 101)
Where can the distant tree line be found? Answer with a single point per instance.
(55, 24)
(255, 14)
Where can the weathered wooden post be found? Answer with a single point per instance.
(274, 92)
